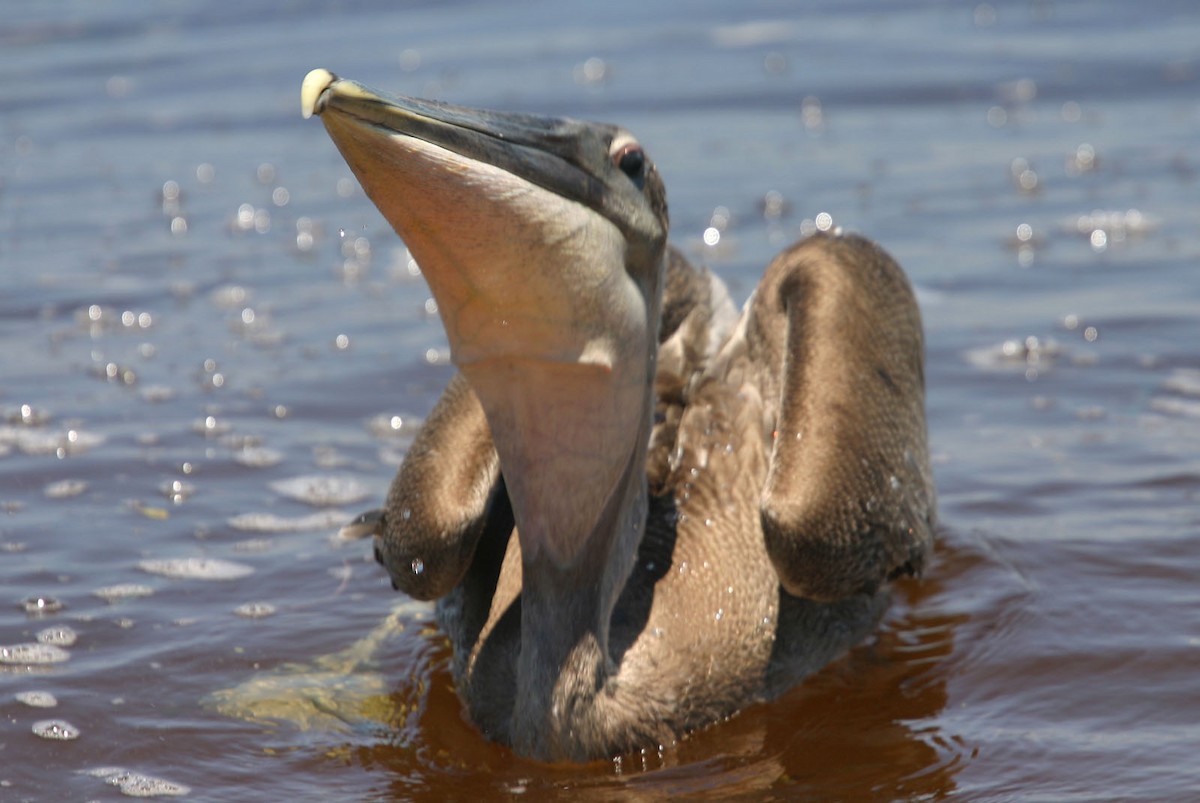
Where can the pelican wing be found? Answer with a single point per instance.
(443, 497)
(834, 334)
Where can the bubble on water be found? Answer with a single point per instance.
(64, 489)
(32, 654)
(60, 635)
(36, 699)
(40, 605)
(321, 490)
(135, 784)
(58, 729)
(121, 591)
(271, 523)
(196, 568)
(255, 610)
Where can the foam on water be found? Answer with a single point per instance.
(255, 610)
(322, 490)
(36, 699)
(196, 568)
(258, 457)
(33, 654)
(272, 523)
(55, 730)
(41, 605)
(120, 591)
(60, 636)
(135, 784)
(65, 489)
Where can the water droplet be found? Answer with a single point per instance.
(55, 729)
(418, 566)
(719, 615)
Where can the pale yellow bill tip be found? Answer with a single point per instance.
(316, 82)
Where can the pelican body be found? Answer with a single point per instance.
(639, 509)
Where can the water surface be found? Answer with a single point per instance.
(205, 324)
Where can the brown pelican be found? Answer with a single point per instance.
(706, 506)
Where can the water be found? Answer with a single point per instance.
(215, 354)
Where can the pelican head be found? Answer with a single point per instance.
(542, 240)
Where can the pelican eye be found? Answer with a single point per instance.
(631, 160)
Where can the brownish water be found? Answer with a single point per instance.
(209, 336)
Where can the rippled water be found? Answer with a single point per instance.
(215, 353)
